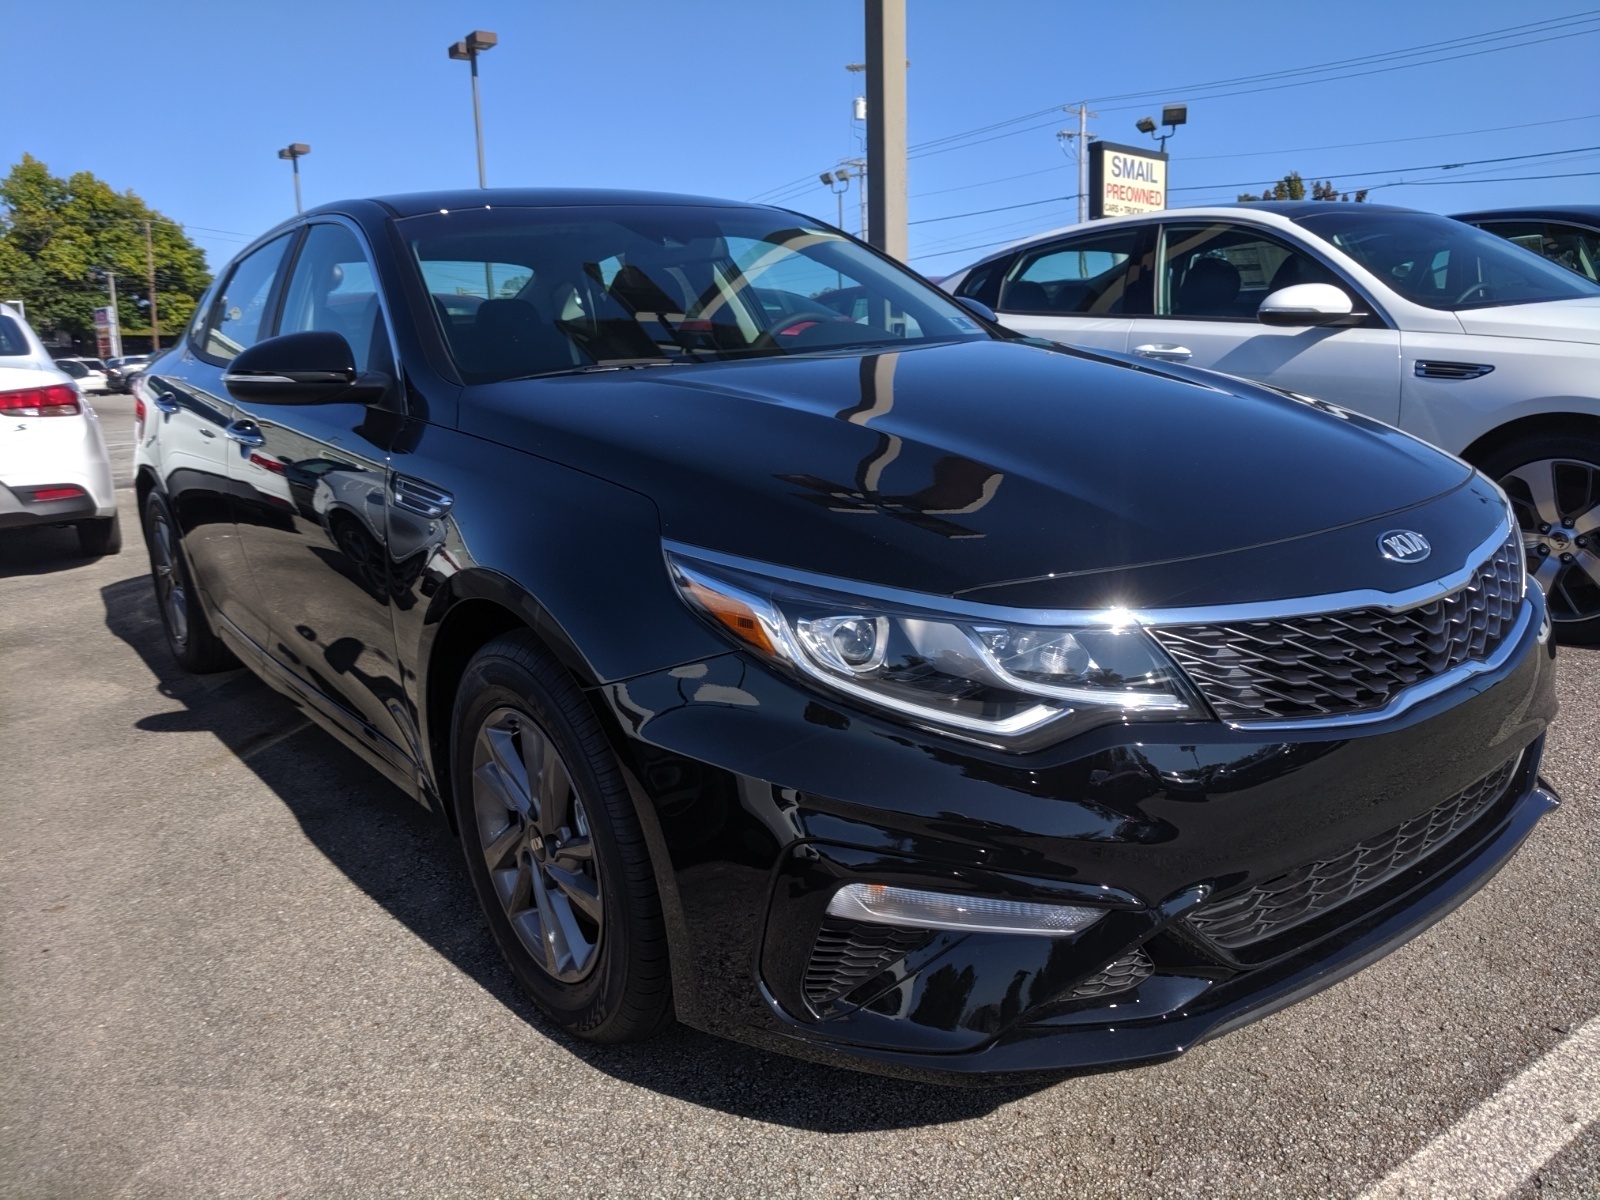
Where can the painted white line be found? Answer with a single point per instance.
(1513, 1133)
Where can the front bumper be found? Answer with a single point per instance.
(761, 799)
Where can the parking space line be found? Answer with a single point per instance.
(1513, 1133)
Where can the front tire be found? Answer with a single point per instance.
(1553, 481)
(189, 634)
(554, 848)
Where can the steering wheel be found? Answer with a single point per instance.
(1477, 287)
(795, 320)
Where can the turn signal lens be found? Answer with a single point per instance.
(728, 610)
(880, 904)
(56, 400)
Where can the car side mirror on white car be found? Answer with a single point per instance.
(1309, 304)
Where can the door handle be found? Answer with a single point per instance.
(246, 433)
(1164, 352)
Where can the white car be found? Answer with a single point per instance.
(88, 373)
(1431, 325)
(54, 469)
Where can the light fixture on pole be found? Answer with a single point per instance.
(294, 152)
(838, 182)
(1172, 115)
(467, 50)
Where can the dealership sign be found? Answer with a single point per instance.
(107, 335)
(1125, 180)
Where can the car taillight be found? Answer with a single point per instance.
(138, 418)
(44, 495)
(56, 400)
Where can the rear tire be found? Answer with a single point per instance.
(101, 536)
(554, 848)
(189, 634)
(1553, 480)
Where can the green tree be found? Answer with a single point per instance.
(1292, 187)
(58, 237)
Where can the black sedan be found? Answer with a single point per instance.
(1568, 235)
(800, 655)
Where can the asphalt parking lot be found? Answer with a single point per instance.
(233, 961)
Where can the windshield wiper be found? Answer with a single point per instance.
(606, 364)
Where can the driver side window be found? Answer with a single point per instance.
(1225, 271)
(333, 288)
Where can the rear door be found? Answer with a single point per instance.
(310, 495)
(1084, 290)
(1213, 276)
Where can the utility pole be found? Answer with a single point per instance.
(150, 271)
(1081, 137)
(116, 319)
(886, 126)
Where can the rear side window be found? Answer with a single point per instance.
(1571, 246)
(13, 344)
(1099, 274)
(240, 317)
(75, 369)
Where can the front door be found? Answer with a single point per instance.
(1213, 276)
(310, 500)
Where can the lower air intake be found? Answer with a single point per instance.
(849, 953)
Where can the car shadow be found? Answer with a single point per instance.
(409, 862)
(41, 551)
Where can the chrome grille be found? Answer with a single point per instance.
(1354, 661)
(1270, 908)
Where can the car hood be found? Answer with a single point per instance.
(1552, 320)
(951, 467)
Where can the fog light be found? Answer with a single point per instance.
(879, 904)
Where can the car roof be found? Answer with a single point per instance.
(1584, 214)
(412, 204)
(1282, 213)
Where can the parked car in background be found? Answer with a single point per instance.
(88, 373)
(120, 371)
(54, 469)
(1412, 318)
(1568, 235)
(801, 657)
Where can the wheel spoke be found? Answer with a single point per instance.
(511, 770)
(514, 887)
(1588, 523)
(1540, 480)
(1545, 575)
(555, 785)
(504, 796)
(1590, 562)
(557, 943)
(581, 892)
(503, 849)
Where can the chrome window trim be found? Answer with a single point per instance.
(1221, 614)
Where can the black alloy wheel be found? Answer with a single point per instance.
(554, 847)
(1553, 481)
(189, 634)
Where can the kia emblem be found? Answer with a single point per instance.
(1404, 545)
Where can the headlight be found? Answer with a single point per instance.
(1001, 683)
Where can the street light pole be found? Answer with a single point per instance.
(886, 125)
(294, 152)
(467, 50)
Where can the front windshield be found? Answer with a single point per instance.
(520, 292)
(1444, 263)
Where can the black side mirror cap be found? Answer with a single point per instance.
(313, 367)
(978, 308)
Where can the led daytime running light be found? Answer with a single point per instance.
(881, 904)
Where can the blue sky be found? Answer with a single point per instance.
(736, 99)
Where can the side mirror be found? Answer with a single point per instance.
(1309, 304)
(313, 367)
(977, 308)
